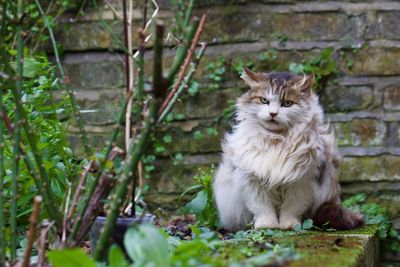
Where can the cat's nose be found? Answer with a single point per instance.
(273, 114)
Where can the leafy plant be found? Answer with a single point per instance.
(323, 66)
(39, 86)
(306, 225)
(215, 72)
(147, 246)
(202, 204)
(150, 246)
(375, 214)
(70, 258)
(36, 124)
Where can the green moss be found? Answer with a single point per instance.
(330, 249)
(370, 230)
(317, 248)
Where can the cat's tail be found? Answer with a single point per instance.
(336, 216)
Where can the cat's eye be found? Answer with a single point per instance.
(287, 103)
(264, 100)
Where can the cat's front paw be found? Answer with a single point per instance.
(288, 222)
(266, 222)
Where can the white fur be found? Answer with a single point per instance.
(270, 170)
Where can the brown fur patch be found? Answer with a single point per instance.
(337, 217)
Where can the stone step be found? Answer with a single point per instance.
(358, 247)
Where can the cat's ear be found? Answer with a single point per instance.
(251, 78)
(305, 83)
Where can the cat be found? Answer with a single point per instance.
(279, 163)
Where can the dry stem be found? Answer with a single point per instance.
(32, 229)
(130, 72)
(44, 229)
(185, 64)
(78, 191)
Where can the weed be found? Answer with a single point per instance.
(202, 205)
(323, 66)
(375, 214)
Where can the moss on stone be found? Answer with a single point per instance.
(339, 248)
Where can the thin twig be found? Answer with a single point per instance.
(141, 183)
(153, 16)
(78, 191)
(188, 13)
(147, 24)
(80, 10)
(171, 36)
(129, 72)
(185, 64)
(16, 135)
(64, 228)
(2, 172)
(112, 33)
(184, 83)
(135, 195)
(33, 220)
(182, 50)
(44, 229)
(7, 120)
(113, 10)
(40, 33)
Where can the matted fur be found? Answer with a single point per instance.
(280, 162)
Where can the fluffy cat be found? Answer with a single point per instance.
(280, 162)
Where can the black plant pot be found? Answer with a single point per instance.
(122, 225)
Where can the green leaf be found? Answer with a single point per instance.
(160, 149)
(297, 228)
(174, 241)
(178, 156)
(31, 67)
(147, 246)
(212, 131)
(194, 88)
(307, 224)
(198, 203)
(116, 258)
(296, 68)
(192, 188)
(70, 258)
(167, 139)
(197, 135)
(180, 116)
(169, 118)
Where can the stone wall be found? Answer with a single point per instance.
(362, 101)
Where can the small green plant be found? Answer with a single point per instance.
(216, 70)
(202, 205)
(375, 214)
(49, 119)
(323, 66)
(149, 246)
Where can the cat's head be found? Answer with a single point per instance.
(277, 100)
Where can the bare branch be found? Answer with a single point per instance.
(185, 64)
(32, 229)
(78, 191)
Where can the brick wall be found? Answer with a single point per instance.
(362, 102)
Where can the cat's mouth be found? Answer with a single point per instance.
(273, 121)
